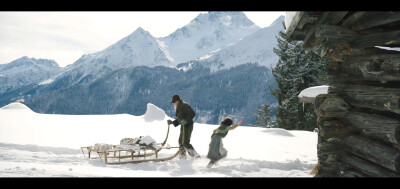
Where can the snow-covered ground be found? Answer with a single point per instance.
(33, 144)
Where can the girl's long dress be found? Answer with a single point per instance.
(216, 149)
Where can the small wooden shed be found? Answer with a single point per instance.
(359, 118)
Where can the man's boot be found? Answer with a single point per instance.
(182, 155)
(210, 164)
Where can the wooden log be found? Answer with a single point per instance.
(373, 19)
(352, 173)
(380, 127)
(297, 36)
(378, 98)
(353, 18)
(347, 170)
(330, 147)
(315, 14)
(367, 168)
(339, 50)
(306, 20)
(330, 105)
(380, 67)
(334, 31)
(363, 71)
(332, 80)
(372, 51)
(377, 39)
(374, 151)
(311, 41)
(333, 129)
(328, 153)
(330, 169)
(336, 68)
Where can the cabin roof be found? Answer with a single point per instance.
(307, 26)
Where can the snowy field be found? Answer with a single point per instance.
(48, 145)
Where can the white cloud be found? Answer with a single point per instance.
(66, 36)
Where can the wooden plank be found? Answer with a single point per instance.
(310, 41)
(377, 98)
(333, 129)
(330, 105)
(366, 168)
(293, 25)
(380, 127)
(373, 151)
(373, 19)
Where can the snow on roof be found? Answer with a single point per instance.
(289, 18)
(308, 95)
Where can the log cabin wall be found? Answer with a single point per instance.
(359, 118)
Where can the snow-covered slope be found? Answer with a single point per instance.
(255, 48)
(25, 71)
(33, 144)
(206, 33)
(137, 49)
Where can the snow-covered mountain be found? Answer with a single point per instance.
(25, 71)
(255, 48)
(207, 32)
(136, 49)
(140, 69)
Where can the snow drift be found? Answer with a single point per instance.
(154, 113)
(16, 106)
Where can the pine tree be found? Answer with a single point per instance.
(263, 116)
(296, 70)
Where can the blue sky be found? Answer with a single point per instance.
(66, 36)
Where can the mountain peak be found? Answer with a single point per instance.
(206, 33)
(140, 32)
(279, 20)
(25, 60)
(223, 17)
(217, 14)
(140, 29)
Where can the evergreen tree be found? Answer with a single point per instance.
(263, 116)
(296, 70)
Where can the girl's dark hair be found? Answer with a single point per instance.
(227, 121)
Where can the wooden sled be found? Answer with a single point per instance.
(145, 154)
